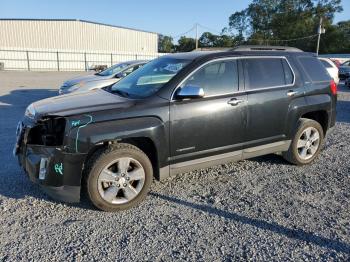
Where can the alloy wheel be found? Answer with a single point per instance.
(121, 180)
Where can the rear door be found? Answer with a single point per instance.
(270, 86)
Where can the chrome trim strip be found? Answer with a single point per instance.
(205, 159)
(237, 155)
(262, 147)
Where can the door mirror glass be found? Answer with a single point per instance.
(189, 92)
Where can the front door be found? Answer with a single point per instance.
(213, 124)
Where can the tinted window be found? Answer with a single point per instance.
(266, 72)
(326, 64)
(314, 68)
(216, 78)
(288, 74)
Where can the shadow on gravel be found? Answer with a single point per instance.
(24, 97)
(297, 234)
(270, 159)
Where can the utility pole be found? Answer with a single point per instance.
(196, 25)
(320, 31)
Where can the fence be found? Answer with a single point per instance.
(34, 60)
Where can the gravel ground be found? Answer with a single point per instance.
(262, 209)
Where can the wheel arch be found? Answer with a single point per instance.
(320, 116)
(145, 144)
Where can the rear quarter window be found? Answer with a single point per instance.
(314, 68)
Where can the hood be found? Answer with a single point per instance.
(78, 103)
(84, 79)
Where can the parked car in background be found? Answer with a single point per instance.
(101, 79)
(347, 82)
(179, 112)
(98, 68)
(344, 70)
(331, 67)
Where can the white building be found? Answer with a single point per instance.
(66, 44)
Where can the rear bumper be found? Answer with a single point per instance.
(57, 172)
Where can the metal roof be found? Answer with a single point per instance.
(74, 20)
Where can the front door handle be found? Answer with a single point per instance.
(291, 93)
(235, 101)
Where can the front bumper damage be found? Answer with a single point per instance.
(56, 171)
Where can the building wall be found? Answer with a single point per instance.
(67, 45)
(74, 35)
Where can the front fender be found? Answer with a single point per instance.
(84, 137)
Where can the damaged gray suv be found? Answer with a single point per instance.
(177, 113)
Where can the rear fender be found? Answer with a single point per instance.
(308, 104)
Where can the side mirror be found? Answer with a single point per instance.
(190, 92)
(121, 75)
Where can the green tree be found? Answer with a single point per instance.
(269, 21)
(185, 44)
(207, 39)
(165, 44)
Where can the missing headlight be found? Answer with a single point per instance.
(48, 132)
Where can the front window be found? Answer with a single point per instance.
(216, 78)
(115, 69)
(150, 78)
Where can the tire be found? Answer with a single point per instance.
(113, 183)
(296, 153)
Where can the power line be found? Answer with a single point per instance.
(210, 29)
(253, 39)
(185, 33)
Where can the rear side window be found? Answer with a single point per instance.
(216, 78)
(314, 69)
(267, 72)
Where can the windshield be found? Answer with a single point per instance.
(347, 63)
(115, 69)
(150, 78)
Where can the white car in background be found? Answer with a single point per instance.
(332, 69)
(101, 79)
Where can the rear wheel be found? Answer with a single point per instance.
(119, 178)
(306, 144)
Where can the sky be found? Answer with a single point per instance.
(166, 17)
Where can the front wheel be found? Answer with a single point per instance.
(306, 144)
(119, 178)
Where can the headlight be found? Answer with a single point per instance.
(30, 111)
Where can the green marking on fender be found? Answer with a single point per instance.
(77, 137)
(75, 123)
(59, 168)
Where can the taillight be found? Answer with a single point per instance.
(333, 86)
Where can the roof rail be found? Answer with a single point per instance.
(265, 48)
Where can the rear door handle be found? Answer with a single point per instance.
(291, 93)
(235, 101)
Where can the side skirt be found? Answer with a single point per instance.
(234, 156)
